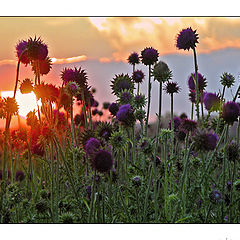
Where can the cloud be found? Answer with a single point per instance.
(69, 60)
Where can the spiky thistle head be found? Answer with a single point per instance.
(104, 130)
(92, 146)
(121, 82)
(119, 140)
(202, 82)
(232, 151)
(133, 58)
(161, 72)
(113, 108)
(230, 112)
(125, 115)
(102, 161)
(10, 106)
(125, 97)
(149, 56)
(26, 86)
(138, 76)
(188, 125)
(45, 66)
(187, 39)
(139, 101)
(172, 87)
(211, 101)
(227, 79)
(85, 136)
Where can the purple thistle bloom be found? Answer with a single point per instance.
(192, 96)
(138, 76)
(67, 75)
(125, 97)
(102, 161)
(21, 46)
(211, 101)
(92, 146)
(188, 125)
(205, 141)
(171, 87)
(125, 114)
(149, 56)
(37, 50)
(230, 112)
(176, 123)
(187, 39)
(94, 112)
(211, 141)
(113, 108)
(133, 58)
(202, 83)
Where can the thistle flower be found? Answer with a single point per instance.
(183, 116)
(202, 82)
(230, 112)
(10, 106)
(172, 87)
(44, 66)
(92, 146)
(161, 72)
(125, 97)
(106, 105)
(215, 196)
(79, 119)
(139, 101)
(67, 75)
(176, 123)
(121, 82)
(67, 218)
(138, 76)
(232, 152)
(140, 114)
(187, 39)
(94, 112)
(102, 161)
(46, 92)
(119, 140)
(125, 114)
(205, 141)
(36, 49)
(133, 58)
(192, 96)
(19, 176)
(21, 46)
(85, 136)
(149, 56)
(100, 113)
(227, 79)
(188, 125)
(113, 108)
(26, 86)
(104, 130)
(211, 101)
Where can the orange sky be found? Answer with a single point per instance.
(112, 38)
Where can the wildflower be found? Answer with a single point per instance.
(125, 114)
(187, 39)
(205, 141)
(106, 105)
(172, 87)
(183, 116)
(227, 79)
(176, 123)
(21, 46)
(10, 106)
(20, 176)
(94, 112)
(113, 108)
(79, 119)
(161, 72)
(26, 86)
(72, 88)
(100, 113)
(85, 136)
(140, 114)
(211, 101)
(188, 125)
(104, 130)
(149, 56)
(133, 58)
(102, 161)
(44, 66)
(92, 146)
(36, 49)
(232, 151)
(230, 112)
(202, 82)
(138, 76)
(192, 96)
(121, 82)
(146, 146)
(119, 140)
(67, 75)
(32, 119)
(139, 101)
(125, 97)
(215, 197)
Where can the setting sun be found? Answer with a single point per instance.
(27, 102)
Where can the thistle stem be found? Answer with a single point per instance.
(196, 83)
(149, 100)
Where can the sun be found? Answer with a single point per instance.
(27, 102)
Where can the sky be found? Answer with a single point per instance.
(101, 45)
